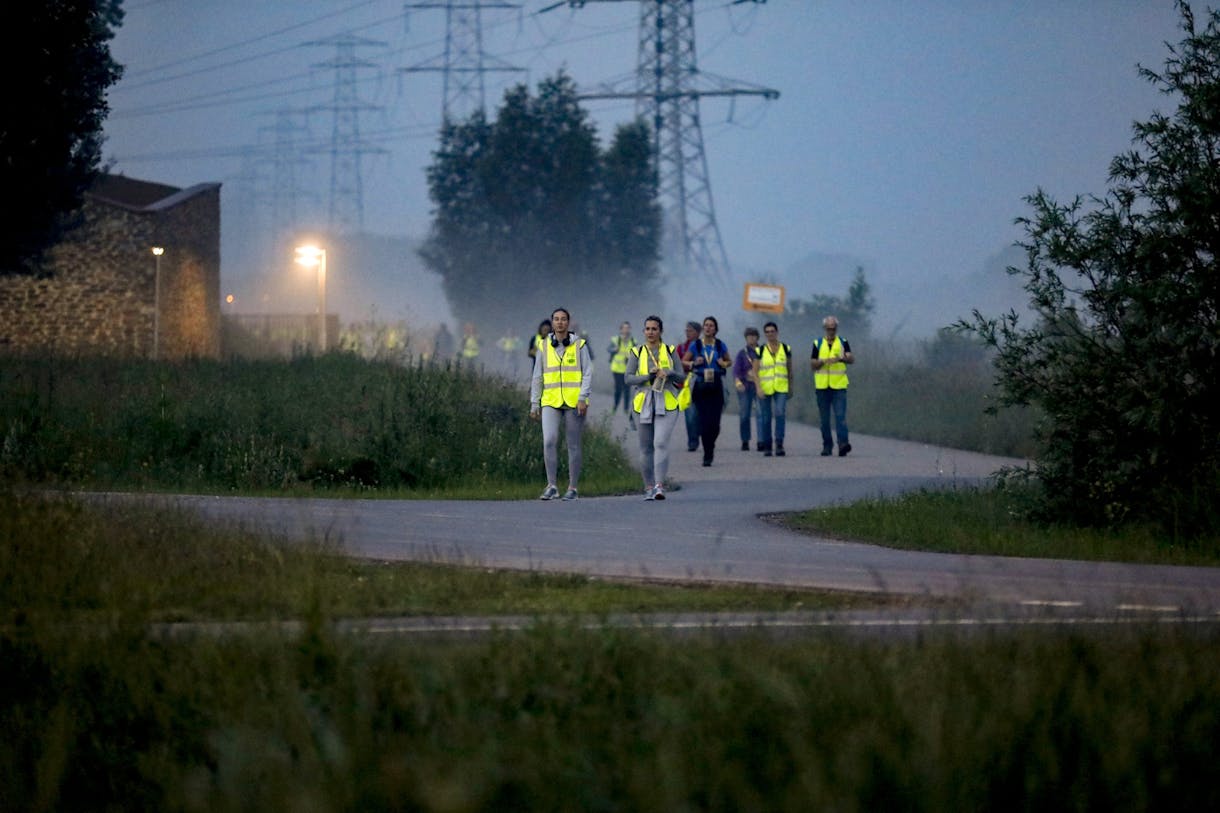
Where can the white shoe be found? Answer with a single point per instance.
(650, 493)
(658, 492)
(569, 495)
(551, 493)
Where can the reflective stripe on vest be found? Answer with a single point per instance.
(773, 371)
(671, 400)
(618, 363)
(470, 348)
(830, 376)
(561, 375)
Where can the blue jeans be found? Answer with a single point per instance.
(769, 405)
(692, 425)
(830, 400)
(745, 405)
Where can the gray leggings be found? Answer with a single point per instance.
(654, 447)
(574, 425)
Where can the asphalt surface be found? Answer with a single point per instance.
(710, 530)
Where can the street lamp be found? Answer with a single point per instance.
(157, 252)
(310, 256)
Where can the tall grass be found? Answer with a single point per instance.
(564, 719)
(335, 421)
(933, 391)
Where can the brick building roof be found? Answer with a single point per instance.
(129, 192)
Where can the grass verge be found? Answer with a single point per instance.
(66, 561)
(992, 521)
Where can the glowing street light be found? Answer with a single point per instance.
(157, 252)
(310, 256)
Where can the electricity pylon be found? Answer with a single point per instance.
(667, 88)
(285, 160)
(463, 62)
(347, 150)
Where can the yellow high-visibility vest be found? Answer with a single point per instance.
(773, 372)
(470, 348)
(671, 400)
(622, 347)
(830, 376)
(561, 375)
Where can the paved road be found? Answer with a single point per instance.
(710, 530)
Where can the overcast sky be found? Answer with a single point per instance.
(906, 132)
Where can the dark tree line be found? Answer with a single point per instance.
(1124, 353)
(530, 212)
(58, 66)
(803, 317)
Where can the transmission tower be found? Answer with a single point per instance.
(285, 160)
(463, 62)
(667, 88)
(346, 209)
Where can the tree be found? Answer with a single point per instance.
(59, 67)
(803, 317)
(530, 213)
(1124, 353)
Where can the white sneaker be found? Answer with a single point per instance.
(650, 493)
(658, 492)
(569, 495)
(551, 493)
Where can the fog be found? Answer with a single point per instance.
(904, 140)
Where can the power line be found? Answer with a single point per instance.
(342, 13)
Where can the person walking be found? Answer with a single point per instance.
(772, 371)
(747, 388)
(508, 344)
(709, 358)
(656, 373)
(829, 360)
(442, 344)
(691, 412)
(559, 394)
(540, 339)
(470, 344)
(620, 349)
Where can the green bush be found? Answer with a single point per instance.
(1122, 356)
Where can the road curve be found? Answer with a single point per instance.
(709, 530)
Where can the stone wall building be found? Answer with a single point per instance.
(100, 294)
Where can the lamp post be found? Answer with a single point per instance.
(157, 252)
(310, 256)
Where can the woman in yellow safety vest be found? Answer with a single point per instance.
(773, 372)
(559, 393)
(829, 361)
(544, 330)
(620, 348)
(657, 374)
(470, 344)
